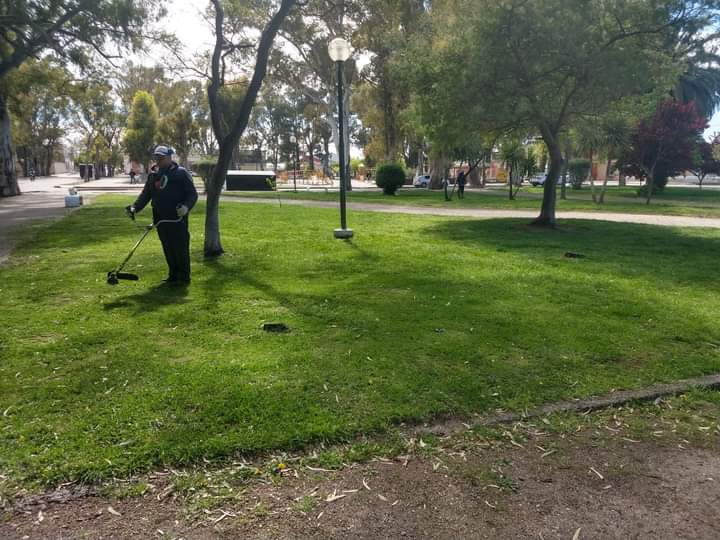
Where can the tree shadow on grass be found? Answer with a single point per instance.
(659, 253)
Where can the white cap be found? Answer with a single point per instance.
(163, 150)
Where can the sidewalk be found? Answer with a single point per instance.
(480, 213)
(42, 199)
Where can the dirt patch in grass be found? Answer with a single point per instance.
(636, 472)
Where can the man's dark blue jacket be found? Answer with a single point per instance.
(167, 189)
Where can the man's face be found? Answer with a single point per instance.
(163, 161)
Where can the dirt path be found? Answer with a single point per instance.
(647, 472)
(480, 213)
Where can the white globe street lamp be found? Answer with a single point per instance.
(339, 51)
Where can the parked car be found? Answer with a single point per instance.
(538, 180)
(422, 180)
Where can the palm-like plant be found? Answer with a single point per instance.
(512, 155)
(606, 137)
(701, 84)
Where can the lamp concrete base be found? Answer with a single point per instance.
(343, 234)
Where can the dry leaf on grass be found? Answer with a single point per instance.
(113, 511)
(576, 536)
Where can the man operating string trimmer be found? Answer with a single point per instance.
(173, 195)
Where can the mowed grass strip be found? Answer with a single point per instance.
(417, 316)
(676, 201)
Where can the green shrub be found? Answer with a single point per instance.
(578, 169)
(658, 186)
(389, 177)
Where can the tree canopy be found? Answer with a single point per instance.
(543, 64)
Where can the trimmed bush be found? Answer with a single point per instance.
(389, 177)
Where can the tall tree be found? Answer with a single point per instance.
(229, 128)
(543, 64)
(39, 102)
(75, 30)
(142, 128)
(384, 29)
(705, 162)
(314, 73)
(663, 145)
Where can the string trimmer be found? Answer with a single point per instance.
(114, 276)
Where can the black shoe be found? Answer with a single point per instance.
(179, 283)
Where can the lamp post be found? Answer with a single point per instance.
(46, 147)
(293, 141)
(339, 51)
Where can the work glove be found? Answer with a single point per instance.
(182, 210)
(130, 211)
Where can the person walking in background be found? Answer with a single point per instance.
(461, 185)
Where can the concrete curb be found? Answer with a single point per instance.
(74, 491)
(614, 399)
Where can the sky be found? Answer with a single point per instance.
(196, 34)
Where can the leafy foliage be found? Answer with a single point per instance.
(579, 168)
(541, 65)
(705, 161)
(389, 177)
(75, 30)
(663, 145)
(141, 132)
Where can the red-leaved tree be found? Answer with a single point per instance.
(663, 145)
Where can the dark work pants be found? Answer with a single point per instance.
(175, 240)
(461, 191)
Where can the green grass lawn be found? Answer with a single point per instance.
(415, 317)
(679, 201)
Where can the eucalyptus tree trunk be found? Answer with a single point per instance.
(212, 246)
(8, 177)
(592, 185)
(510, 183)
(608, 170)
(228, 139)
(547, 210)
(564, 170)
(650, 184)
(475, 178)
(438, 171)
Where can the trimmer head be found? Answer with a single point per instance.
(113, 278)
